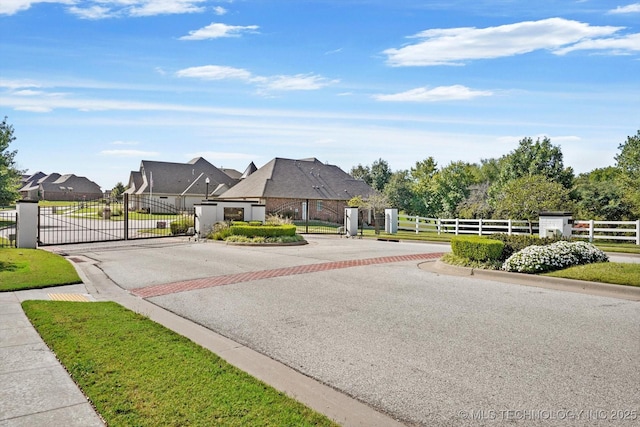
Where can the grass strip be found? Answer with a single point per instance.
(138, 373)
(33, 268)
(618, 273)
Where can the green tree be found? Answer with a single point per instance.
(118, 190)
(449, 187)
(600, 195)
(398, 191)
(424, 203)
(9, 174)
(526, 197)
(380, 174)
(628, 161)
(535, 158)
(361, 172)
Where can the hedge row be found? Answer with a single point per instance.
(264, 230)
(477, 248)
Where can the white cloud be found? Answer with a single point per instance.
(10, 7)
(129, 153)
(265, 84)
(215, 72)
(216, 30)
(219, 10)
(296, 82)
(165, 7)
(100, 9)
(92, 12)
(620, 46)
(454, 46)
(440, 93)
(631, 8)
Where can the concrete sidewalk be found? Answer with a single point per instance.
(36, 389)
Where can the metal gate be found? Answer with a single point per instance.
(125, 218)
(313, 216)
(8, 221)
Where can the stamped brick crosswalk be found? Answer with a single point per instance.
(229, 279)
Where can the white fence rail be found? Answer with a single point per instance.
(591, 230)
(607, 230)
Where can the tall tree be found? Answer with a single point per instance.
(380, 174)
(449, 187)
(118, 190)
(600, 195)
(361, 172)
(535, 158)
(421, 177)
(398, 191)
(9, 174)
(628, 161)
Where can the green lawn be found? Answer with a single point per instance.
(33, 268)
(619, 273)
(138, 373)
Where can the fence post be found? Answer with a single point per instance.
(591, 231)
(509, 227)
(457, 226)
(27, 224)
(638, 232)
(480, 227)
(417, 224)
(439, 226)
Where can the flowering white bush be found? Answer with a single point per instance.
(562, 254)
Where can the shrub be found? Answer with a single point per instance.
(221, 230)
(278, 220)
(182, 225)
(264, 231)
(556, 256)
(476, 248)
(517, 242)
(255, 223)
(239, 223)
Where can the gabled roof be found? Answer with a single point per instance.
(70, 182)
(249, 170)
(299, 179)
(177, 178)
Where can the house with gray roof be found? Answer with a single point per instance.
(56, 187)
(178, 184)
(300, 189)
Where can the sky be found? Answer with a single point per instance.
(95, 87)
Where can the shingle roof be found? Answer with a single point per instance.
(70, 182)
(299, 179)
(178, 178)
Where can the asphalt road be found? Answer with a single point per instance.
(428, 349)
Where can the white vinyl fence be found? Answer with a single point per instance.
(591, 230)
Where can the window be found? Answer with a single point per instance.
(318, 205)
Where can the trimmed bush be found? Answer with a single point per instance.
(517, 242)
(559, 255)
(477, 248)
(263, 231)
(255, 223)
(239, 223)
(181, 226)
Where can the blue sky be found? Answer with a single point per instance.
(94, 87)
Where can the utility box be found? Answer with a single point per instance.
(555, 224)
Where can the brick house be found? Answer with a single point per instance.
(56, 187)
(300, 189)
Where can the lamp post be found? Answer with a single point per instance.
(207, 181)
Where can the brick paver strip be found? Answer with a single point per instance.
(229, 279)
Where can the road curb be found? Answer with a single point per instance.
(631, 293)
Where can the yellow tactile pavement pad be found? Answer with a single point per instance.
(68, 297)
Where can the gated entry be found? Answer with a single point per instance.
(125, 218)
(312, 216)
